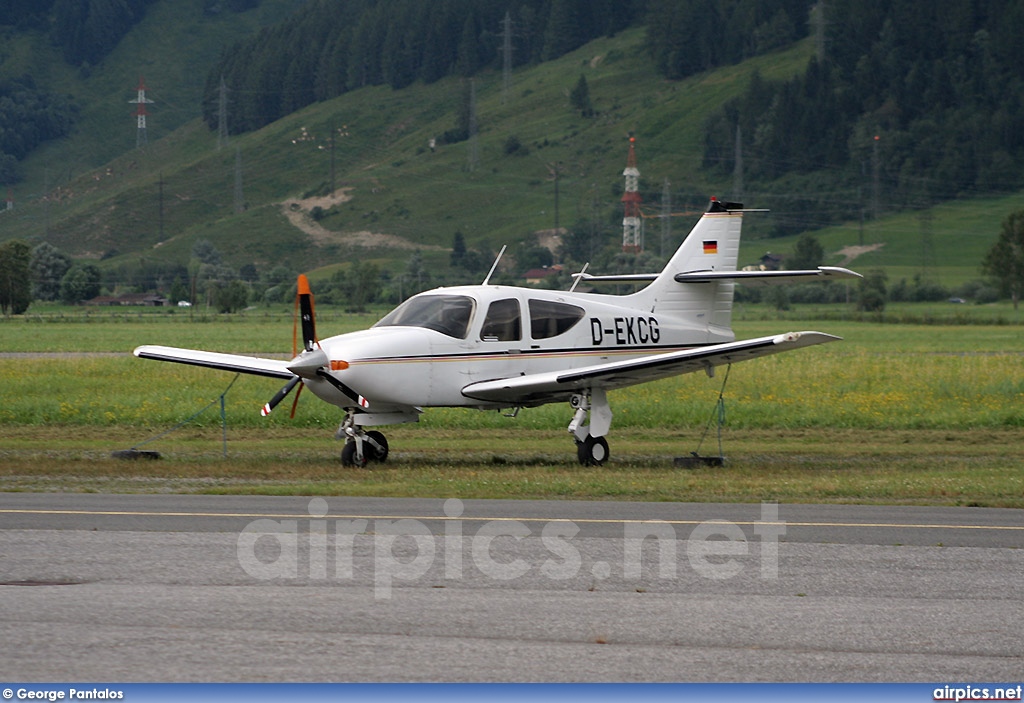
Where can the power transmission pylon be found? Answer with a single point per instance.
(140, 113)
(632, 224)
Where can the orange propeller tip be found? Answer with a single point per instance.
(304, 285)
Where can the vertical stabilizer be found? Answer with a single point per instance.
(712, 245)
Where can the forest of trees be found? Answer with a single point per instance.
(329, 47)
(906, 103)
(28, 117)
(85, 30)
(924, 98)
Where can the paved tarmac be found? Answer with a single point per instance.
(240, 588)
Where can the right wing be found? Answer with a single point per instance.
(553, 386)
(258, 366)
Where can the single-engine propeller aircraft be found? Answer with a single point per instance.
(499, 347)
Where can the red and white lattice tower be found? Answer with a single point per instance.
(632, 223)
(140, 112)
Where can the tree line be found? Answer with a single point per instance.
(85, 31)
(907, 104)
(327, 48)
(29, 117)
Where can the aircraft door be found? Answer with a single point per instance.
(500, 340)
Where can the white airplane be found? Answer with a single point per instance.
(499, 347)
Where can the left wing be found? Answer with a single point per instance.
(540, 388)
(273, 368)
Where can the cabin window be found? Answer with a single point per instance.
(550, 319)
(447, 314)
(502, 323)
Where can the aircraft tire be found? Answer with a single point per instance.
(379, 455)
(348, 455)
(593, 451)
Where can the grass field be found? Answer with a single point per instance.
(922, 414)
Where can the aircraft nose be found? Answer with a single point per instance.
(308, 363)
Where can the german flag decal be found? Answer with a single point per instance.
(711, 247)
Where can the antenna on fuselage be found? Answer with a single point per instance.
(577, 277)
(494, 265)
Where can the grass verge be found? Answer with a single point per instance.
(897, 467)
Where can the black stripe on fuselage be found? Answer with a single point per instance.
(470, 356)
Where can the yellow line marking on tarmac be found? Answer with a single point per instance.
(472, 518)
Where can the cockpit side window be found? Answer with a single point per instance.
(447, 314)
(549, 318)
(502, 323)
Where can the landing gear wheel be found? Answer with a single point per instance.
(372, 452)
(593, 451)
(348, 455)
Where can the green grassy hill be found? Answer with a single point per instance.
(154, 203)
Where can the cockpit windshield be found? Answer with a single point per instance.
(447, 314)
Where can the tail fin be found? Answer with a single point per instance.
(712, 245)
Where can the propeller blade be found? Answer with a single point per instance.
(305, 301)
(279, 396)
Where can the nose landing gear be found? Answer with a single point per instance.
(361, 447)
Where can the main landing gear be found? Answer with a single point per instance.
(361, 447)
(591, 446)
(590, 423)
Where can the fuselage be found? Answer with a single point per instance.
(436, 343)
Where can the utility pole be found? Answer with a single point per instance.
(222, 114)
(160, 208)
(506, 57)
(818, 22)
(737, 169)
(874, 177)
(239, 197)
(666, 215)
(474, 142)
(331, 142)
(927, 245)
(557, 229)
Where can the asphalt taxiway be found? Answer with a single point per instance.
(239, 588)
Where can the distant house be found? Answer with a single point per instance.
(535, 276)
(769, 262)
(150, 300)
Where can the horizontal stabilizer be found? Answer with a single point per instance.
(750, 278)
(767, 278)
